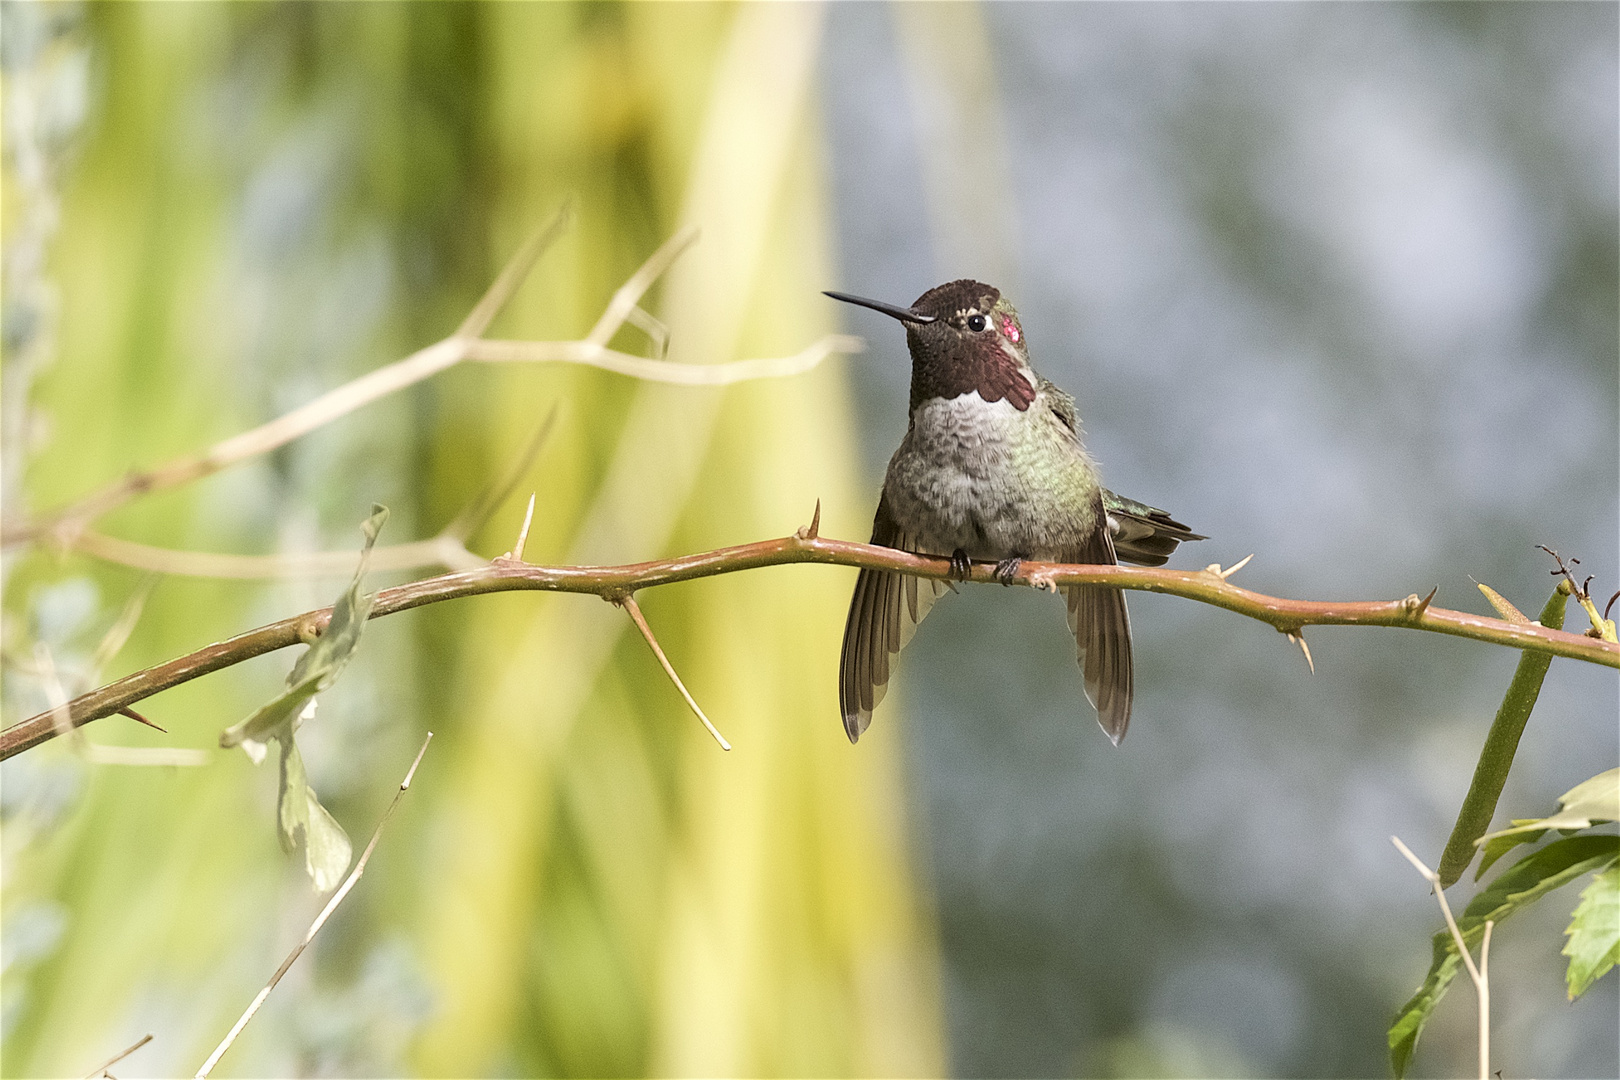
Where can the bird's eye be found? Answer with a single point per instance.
(976, 323)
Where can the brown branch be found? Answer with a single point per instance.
(1205, 586)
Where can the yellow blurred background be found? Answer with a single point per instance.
(269, 200)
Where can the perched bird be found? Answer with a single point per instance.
(992, 468)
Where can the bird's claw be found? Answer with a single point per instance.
(961, 565)
(1007, 570)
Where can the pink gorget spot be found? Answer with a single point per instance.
(1010, 328)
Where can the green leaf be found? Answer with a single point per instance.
(1503, 607)
(1594, 932)
(292, 801)
(1515, 888)
(300, 817)
(1495, 846)
(321, 663)
(326, 846)
(1598, 799)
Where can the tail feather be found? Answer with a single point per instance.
(883, 614)
(1101, 624)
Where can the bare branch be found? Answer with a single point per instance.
(116, 635)
(512, 274)
(448, 549)
(623, 304)
(101, 1070)
(639, 367)
(320, 920)
(1482, 986)
(66, 524)
(628, 602)
(607, 581)
(442, 550)
(476, 513)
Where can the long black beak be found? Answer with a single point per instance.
(904, 314)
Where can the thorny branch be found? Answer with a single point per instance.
(1207, 586)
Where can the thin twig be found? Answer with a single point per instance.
(320, 920)
(1485, 1000)
(473, 516)
(623, 305)
(101, 1070)
(118, 634)
(628, 602)
(607, 581)
(512, 274)
(442, 550)
(1477, 974)
(448, 549)
(640, 367)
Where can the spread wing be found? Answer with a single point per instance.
(1143, 534)
(1102, 635)
(883, 614)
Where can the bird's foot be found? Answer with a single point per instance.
(1007, 569)
(961, 565)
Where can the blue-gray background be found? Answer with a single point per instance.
(1336, 284)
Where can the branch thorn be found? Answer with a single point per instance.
(1416, 605)
(1298, 638)
(628, 602)
(133, 715)
(1215, 568)
(516, 554)
(814, 530)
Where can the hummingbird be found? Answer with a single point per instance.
(993, 469)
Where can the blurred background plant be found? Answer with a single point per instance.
(1335, 284)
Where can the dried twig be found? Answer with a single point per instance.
(66, 525)
(607, 581)
(448, 549)
(101, 1070)
(320, 920)
(1478, 974)
(628, 602)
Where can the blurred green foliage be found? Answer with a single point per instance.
(263, 201)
